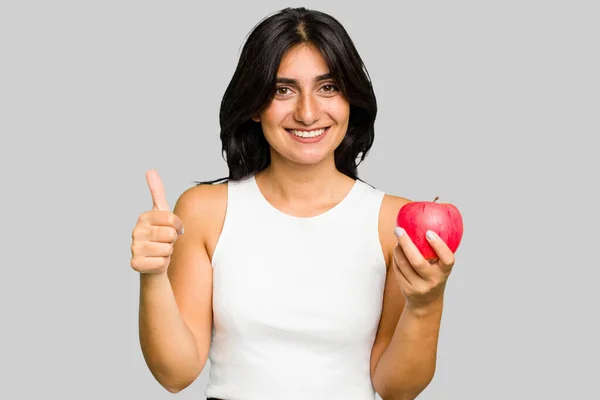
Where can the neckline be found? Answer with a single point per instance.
(322, 215)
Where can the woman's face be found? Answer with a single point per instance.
(308, 116)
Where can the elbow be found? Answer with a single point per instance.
(176, 389)
(405, 395)
(175, 385)
(175, 382)
(403, 392)
(172, 389)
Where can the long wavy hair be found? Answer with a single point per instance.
(253, 85)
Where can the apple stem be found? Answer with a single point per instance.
(436, 199)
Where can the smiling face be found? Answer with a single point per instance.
(308, 116)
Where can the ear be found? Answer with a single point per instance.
(255, 118)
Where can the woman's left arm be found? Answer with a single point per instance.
(405, 350)
(407, 365)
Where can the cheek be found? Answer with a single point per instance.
(275, 115)
(339, 110)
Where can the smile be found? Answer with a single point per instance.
(307, 134)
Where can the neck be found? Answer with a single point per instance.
(290, 183)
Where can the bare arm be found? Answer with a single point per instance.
(175, 319)
(168, 345)
(403, 359)
(407, 365)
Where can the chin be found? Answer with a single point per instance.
(308, 159)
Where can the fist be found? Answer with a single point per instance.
(155, 232)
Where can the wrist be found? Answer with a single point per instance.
(422, 310)
(154, 277)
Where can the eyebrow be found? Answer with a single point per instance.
(291, 81)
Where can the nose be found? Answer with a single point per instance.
(307, 110)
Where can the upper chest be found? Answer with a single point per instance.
(214, 224)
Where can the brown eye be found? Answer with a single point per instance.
(330, 88)
(279, 89)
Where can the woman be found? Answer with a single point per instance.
(290, 277)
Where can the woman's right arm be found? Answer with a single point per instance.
(175, 313)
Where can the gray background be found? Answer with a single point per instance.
(493, 106)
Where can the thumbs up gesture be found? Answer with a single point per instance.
(155, 232)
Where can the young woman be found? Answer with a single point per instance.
(291, 276)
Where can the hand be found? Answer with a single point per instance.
(422, 282)
(155, 232)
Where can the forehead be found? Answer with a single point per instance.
(302, 60)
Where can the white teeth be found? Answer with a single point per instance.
(308, 134)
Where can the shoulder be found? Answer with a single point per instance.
(390, 205)
(202, 207)
(201, 199)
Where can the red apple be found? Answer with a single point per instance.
(418, 217)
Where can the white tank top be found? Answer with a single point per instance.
(296, 301)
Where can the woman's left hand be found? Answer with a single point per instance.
(422, 281)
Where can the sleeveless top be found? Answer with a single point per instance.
(296, 301)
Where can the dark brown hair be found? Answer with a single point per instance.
(253, 85)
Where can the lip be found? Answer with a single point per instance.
(306, 130)
(308, 140)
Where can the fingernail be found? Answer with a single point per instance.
(430, 235)
(181, 233)
(399, 231)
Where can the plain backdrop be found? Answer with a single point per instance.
(493, 106)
